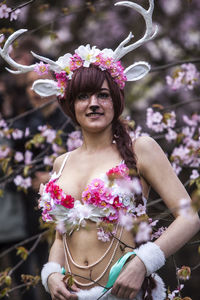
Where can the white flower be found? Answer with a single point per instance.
(107, 52)
(140, 210)
(64, 63)
(87, 54)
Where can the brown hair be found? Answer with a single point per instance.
(90, 80)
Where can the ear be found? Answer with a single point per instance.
(137, 71)
(45, 87)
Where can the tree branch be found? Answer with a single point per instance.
(173, 64)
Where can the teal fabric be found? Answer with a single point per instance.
(116, 269)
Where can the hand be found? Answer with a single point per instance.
(130, 280)
(58, 288)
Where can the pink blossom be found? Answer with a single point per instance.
(177, 169)
(185, 208)
(193, 121)
(185, 77)
(41, 68)
(103, 236)
(4, 11)
(158, 233)
(195, 174)
(143, 233)
(28, 157)
(140, 210)
(27, 132)
(47, 161)
(22, 182)
(14, 14)
(19, 156)
(171, 135)
(126, 220)
(50, 135)
(74, 140)
(17, 134)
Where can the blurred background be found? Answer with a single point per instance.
(33, 131)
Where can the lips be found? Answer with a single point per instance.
(94, 114)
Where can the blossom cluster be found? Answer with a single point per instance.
(159, 122)
(184, 77)
(52, 195)
(74, 140)
(84, 57)
(187, 152)
(6, 11)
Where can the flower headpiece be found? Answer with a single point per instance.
(84, 56)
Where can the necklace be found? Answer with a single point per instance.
(101, 275)
(93, 264)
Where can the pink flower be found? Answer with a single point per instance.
(4, 11)
(28, 157)
(140, 210)
(194, 175)
(14, 14)
(19, 156)
(41, 68)
(126, 221)
(17, 134)
(67, 202)
(143, 233)
(103, 236)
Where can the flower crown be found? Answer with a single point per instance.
(84, 56)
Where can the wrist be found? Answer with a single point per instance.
(152, 257)
(48, 269)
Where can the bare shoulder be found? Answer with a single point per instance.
(58, 162)
(145, 145)
(148, 152)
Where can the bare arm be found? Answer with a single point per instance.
(155, 168)
(57, 287)
(157, 171)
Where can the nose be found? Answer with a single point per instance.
(93, 105)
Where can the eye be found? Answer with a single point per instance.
(103, 95)
(83, 96)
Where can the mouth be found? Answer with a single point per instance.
(94, 114)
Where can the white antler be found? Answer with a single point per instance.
(22, 68)
(149, 33)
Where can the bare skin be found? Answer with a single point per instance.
(97, 155)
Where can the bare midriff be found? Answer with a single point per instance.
(86, 249)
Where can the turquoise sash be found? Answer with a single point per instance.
(116, 269)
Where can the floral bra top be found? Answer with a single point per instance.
(103, 200)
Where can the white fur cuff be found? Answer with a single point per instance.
(152, 257)
(48, 269)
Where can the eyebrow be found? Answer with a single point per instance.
(102, 89)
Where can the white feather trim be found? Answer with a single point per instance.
(152, 256)
(48, 269)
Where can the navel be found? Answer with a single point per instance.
(86, 263)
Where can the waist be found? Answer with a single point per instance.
(94, 256)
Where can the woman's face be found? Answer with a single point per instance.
(94, 112)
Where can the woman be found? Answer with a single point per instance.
(95, 102)
(96, 191)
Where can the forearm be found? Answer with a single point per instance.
(57, 252)
(178, 233)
